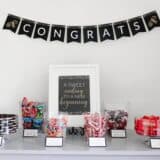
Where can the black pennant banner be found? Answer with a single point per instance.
(26, 27)
(57, 33)
(73, 34)
(90, 34)
(106, 32)
(79, 34)
(121, 29)
(41, 31)
(12, 23)
(152, 20)
(137, 25)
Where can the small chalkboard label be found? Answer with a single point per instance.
(74, 94)
(155, 143)
(97, 142)
(54, 142)
(118, 133)
(30, 132)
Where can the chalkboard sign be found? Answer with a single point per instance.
(74, 94)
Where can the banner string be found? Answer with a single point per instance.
(85, 34)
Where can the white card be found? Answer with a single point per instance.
(54, 142)
(30, 132)
(97, 142)
(155, 143)
(1, 140)
(118, 133)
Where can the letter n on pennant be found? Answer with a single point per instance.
(57, 33)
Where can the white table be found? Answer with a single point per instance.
(131, 148)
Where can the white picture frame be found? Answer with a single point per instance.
(55, 71)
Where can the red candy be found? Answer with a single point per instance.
(95, 125)
(148, 125)
(116, 119)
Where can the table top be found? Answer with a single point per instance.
(76, 145)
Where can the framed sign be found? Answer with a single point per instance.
(73, 91)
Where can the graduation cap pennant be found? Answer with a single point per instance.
(152, 20)
(12, 22)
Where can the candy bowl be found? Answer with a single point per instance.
(57, 127)
(33, 114)
(148, 125)
(95, 125)
(116, 119)
(8, 126)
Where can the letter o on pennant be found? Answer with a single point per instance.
(41, 31)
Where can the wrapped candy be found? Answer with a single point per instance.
(148, 126)
(57, 126)
(116, 119)
(95, 125)
(33, 114)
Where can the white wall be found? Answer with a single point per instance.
(129, 67)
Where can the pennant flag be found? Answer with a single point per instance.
(74, 34)
(136, 24)
(41, 31)
(152, 20)
(106, 32)
(57, 33)
(90, 34)
(26, 27)
(12, 23)
(121, 29)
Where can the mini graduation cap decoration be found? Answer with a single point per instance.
(152, 20)
(12, 23)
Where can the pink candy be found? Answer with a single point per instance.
(95, 125)
(56, 127)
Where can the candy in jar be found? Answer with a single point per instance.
(33, 114)
(95, 125)
(148, 125)
(56, 127)
(116, 119)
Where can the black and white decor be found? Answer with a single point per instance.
(82, 34)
